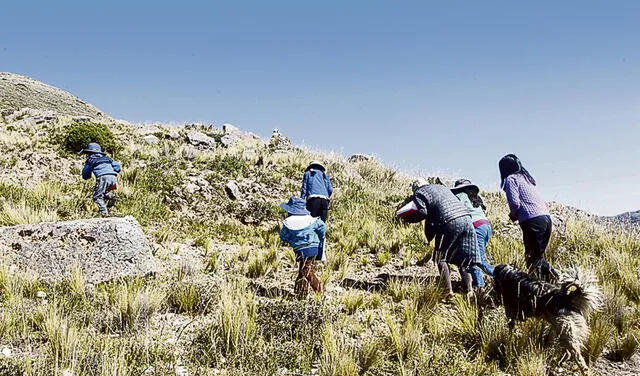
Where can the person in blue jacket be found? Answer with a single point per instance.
(106, 171)
(317, 190)
(304, 234)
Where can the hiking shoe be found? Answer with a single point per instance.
(110, 199)
(448, 296)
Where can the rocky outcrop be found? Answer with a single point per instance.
(104, 249)
(201, 139)
(359, 157)
(279, 142)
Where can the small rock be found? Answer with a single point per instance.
(41, 295)
(7, 111)
(6, 352)
(67, 372)
(151, 139)
(199, 181)
(192, 188)
(232, 190)
(90, 290)
(360, 158)
(81, 118)
(174, 135)
(148, 129)
(182, 371)
(200, 139)
(227, 140)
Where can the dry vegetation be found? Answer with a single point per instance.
(225, 304)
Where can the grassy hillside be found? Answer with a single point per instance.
(224, 302)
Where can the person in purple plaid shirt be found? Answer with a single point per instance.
(531, 211)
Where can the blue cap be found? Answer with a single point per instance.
(92, 148)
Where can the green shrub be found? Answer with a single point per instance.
(77, 135)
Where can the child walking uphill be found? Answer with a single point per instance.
(527, 207)
(467, 193)
(305, 234)
(106, 172)
(317, 190)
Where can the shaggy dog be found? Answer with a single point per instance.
(564, 305)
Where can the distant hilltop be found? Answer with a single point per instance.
(629, 217)
(19, 92)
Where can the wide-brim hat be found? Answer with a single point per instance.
(92, 148)
(295, 206)
(462, 184)
(316, 164)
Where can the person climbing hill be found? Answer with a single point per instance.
(468, 194)
(448, 221)
(317, 190)
(106, 171)
(531, 211)
(305, 235)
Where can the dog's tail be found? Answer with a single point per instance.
(582, 287)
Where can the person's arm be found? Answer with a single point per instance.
(284, 234)
(329, 186)
(116, 166)
(320, 229)
(429, 231)
(305, 186)
(513, 198)
(86, 171)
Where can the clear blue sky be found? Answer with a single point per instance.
(446, 86)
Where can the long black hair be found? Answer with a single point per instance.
(510, 164)
(474, 197)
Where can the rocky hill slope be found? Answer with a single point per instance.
(18, 92)
(629, 217)
(223, 304)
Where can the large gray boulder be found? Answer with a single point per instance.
(103, 248)
(201, 139)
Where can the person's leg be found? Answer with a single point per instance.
(547, 271)
(475, 272)
(308, 272)
(483, 234)
(110, 195)
(314, 206)
(466, 278)
(536, 234)
(324, 209)
(532, 251)
(301, 287)
(445, 278)
(98, 194)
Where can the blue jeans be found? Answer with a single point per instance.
(103, 183)
(483, 234)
